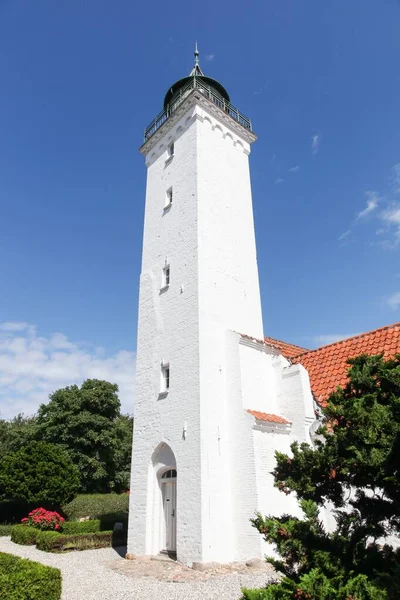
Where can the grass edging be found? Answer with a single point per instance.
(51, 541)
(5, 530)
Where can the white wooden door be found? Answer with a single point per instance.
(169, 499)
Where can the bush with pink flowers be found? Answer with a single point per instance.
(46, 520)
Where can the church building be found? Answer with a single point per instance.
(215, 398)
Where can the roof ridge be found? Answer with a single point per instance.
(269, 417)
(282, 341)
(353, 337)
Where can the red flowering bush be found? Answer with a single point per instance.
(43, 519)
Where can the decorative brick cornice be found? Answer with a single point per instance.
(193, 99)
(272, 427)
(261, 345)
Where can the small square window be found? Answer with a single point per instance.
(168, 199)
(166, 276)
(170, 150)
(165, 377)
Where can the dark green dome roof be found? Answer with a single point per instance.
(198, 73)
(212, 83)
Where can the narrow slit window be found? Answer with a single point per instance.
(166, 278)
(165, 378)
(168, 200)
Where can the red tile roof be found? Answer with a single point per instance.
(288, 350)
(327, 366)
(261, 416)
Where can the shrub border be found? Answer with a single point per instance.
(22, 578)
(24, 535)
(52, 541)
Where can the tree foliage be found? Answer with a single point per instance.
(86, 422)
(354, 467)
(16, 433)
(38, 473)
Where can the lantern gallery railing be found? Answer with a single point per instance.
(209, 93)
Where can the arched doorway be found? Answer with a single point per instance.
(163, 516)
(168, 494)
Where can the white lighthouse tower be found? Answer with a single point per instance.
(193, 486)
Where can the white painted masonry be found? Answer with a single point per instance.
(200, 425)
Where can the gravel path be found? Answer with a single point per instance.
(88, 575)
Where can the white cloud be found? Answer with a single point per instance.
(391, 218)
(331, 338)
(372, 204)
(279, 180)
(210, 57)
(392, 215)
(396, 178)
(394, 300)
(315, 142)
(13, 326)
(294, 169)
(344, 235)
(31, 367)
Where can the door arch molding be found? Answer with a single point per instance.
(162, 513)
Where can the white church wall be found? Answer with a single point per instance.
(206, 236)
(168, 330)
(271, 501)
(229, 298)
(215, 467)
(258, 378)
(228, 277)
(246, 541)
(296, 401)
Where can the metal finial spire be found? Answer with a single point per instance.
(196, 69)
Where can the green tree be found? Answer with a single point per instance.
(38, 473)
(16, 433)
(355, 466)
(124, 427)
(87, 423)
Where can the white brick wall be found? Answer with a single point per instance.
(245, 540)
(259, 386)
(207, 237)
(296, 401)
(168, 329)
(271, 501)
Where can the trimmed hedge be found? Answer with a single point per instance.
(92, 526)
(22, 579)
(51, 541)
(97, 506)
(5, 529)
(106, 523)
(24, 534)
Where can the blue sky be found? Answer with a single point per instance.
(81, 80)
